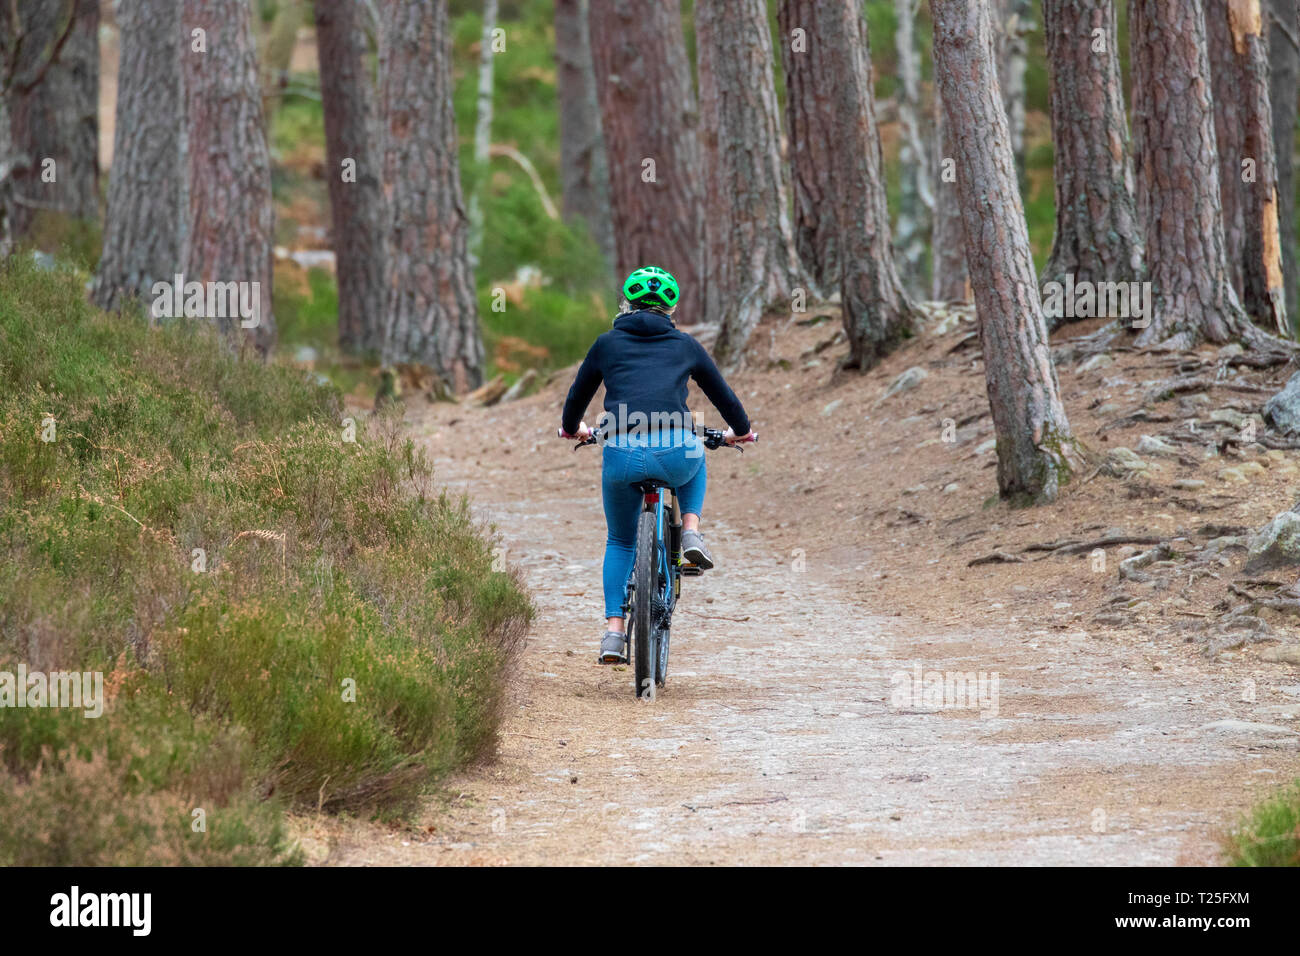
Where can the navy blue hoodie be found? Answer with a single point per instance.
(645, 362)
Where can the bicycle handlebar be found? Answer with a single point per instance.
(714, 438)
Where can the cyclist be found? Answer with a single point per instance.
(645, 362)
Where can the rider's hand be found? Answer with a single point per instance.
(730, 437)
(583, 432)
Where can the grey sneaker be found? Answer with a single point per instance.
(613, 648)
(694, 551)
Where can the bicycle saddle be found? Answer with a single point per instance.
(649, 485)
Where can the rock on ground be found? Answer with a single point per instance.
(1151, 445)
(1275, 545)
(1122, 461)
(906, 381)
(1282, 411)
(1284, 654)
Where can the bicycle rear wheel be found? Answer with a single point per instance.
(645, 644)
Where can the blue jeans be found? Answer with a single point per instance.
(677, 459)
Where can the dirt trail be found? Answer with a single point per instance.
(778, 738)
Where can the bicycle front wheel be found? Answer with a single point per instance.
(645, 649)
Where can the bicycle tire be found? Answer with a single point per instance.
(645, 650)
(672, 589)
(661, 665)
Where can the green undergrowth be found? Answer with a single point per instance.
(285, 611)
(1270, 834)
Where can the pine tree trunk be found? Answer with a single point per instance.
(749, 253)
(430, 309)
(10, 156)
(1230, 102)
(648, 115)
(482, 130)
(950, 281)
(1036, 452)
(811, 144)
(1284, 96)
(8, 160)
(915, 200)
(55, 121)
(229, 167)
(836, 104)
(1011, 50)
(146, 184)
(275, 42)
(356, 202)
(584, 174)
(1243, 127)
(1176, 162)
(1098, 237)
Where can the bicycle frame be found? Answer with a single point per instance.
(662, 503)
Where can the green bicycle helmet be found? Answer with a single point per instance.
(651, 286)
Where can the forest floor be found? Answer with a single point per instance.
(1134, 720)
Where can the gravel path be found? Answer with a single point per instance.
(789, 731)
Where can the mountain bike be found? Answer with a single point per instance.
(657, 571)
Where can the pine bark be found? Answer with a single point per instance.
(57, 118)
(811, 143)
(430, 308)
(8, 160)
(1098, 237)
(950, 281)
(584, 172)
(229, 238)
(749, 253)
(1012, 54)
(1176, 164)
(1243, 129)
(482, 129)
(146, 184)
(836, 106)
(1036, 451)
(648, 114)
(275, 42)
(1284, 96)
(915, 199)
(356, 205)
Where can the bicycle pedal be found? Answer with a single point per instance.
(691, 570)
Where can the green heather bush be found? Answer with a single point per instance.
(557, 328)
(332, 569)
(74, 240)
(1270, 834)
(310, 315)
(122, 791)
